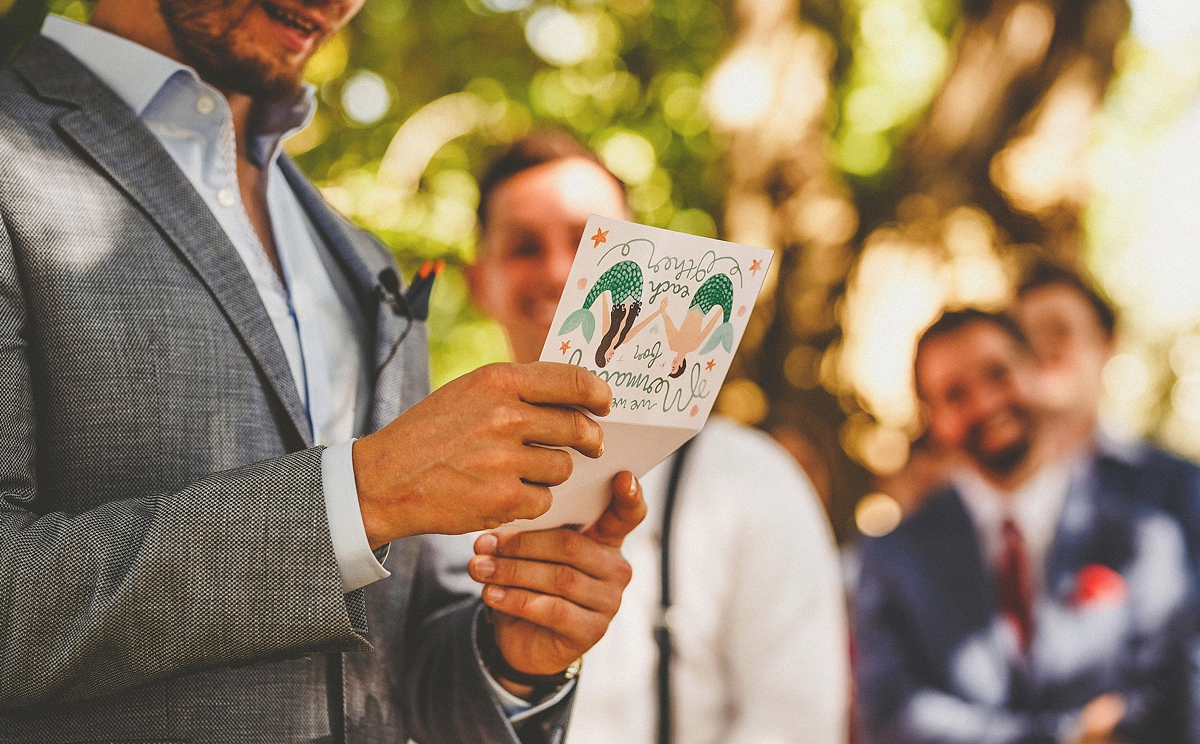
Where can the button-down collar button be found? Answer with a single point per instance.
(226, 197)
(206, 105)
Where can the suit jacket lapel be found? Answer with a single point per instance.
(362, 267)
(1092, 528)
(112, 135)
(955, 566)
(1074, 526)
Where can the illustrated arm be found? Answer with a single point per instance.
(669, 327)
(645, 321)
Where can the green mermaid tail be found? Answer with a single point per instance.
(718, 290)
(582, 317)
(723, 335)
(623, 281)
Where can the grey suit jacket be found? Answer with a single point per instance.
(166, 570)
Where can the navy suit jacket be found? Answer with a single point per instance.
(1169, 483)
(935, 662)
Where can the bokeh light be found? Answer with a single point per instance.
(902, 156)
(629, 156)
(741, 90)
(877, 515)
(559, 36)
(366, 98)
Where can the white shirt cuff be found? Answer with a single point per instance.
(518, 709)
(356, 561)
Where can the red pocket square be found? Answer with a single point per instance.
(1096, 583)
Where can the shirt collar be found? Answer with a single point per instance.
(1035, 505)
(138, 75)
(134, 72)
(1116, 443)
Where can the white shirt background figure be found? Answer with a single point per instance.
(759, 620)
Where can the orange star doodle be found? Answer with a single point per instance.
(711, 363)
(566, 345)
(755, 267)
(601, 236)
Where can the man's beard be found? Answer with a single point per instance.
(1000, 462)
(205, 34)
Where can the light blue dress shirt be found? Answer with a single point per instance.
(319, 333)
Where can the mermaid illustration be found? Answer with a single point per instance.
(623, 283)
(716, 292)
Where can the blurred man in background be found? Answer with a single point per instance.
(1033, 600)
(1072, 330)
(757, 633)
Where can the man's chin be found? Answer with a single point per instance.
(255, 79)
(1005, 460)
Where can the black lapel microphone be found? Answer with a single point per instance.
(388, 292)
(412, 304)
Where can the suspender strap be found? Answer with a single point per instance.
(662, 631)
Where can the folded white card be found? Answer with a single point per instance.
(658, 315)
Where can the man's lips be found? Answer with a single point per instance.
(305, 21)
(299, 27)
(1005, 426)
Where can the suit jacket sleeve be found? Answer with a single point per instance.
(231, 569)
(1158, 683)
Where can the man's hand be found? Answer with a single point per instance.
(466, 458)
(1099, 718)
(554, 592)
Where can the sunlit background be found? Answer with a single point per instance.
(902, 155)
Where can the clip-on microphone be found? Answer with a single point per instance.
(412, 304)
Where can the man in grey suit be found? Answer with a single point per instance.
(184, 326)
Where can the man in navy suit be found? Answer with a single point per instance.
(1033, 600)
(1072, 330)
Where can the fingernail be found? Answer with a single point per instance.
(633, 486)
(486, 544)
(493, 593)
(485, 567)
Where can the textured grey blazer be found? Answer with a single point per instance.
(166, 570)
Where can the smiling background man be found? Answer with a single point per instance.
(756, 651)
(191, 537)
(1032, 601)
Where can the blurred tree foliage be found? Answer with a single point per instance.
(878, 145)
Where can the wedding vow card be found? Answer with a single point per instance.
(658, 315)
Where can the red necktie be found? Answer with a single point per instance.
(1013, 590)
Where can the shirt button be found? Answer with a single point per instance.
(226, 197)
(206, 105)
